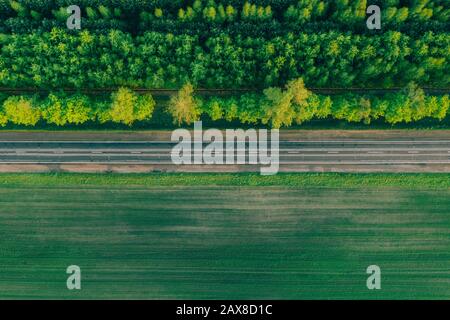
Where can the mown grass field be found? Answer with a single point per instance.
(299, 236)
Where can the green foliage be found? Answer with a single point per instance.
(53, 110)
(249, 109)
(156, 60)
(91, 13)
(61, 110)
(105, 12)
(253, 12)
(214, 108)
(36, 15)
(276, 107)
(122, 109)
(60, 14)
(283, 107)
(144, 108)
(21, 110)
(352, 109)
(281, 46)
(297, 105)
(127, 107)
(19, 8)
(304, 109)
(247, 15)
(305, 11)
(3, 119)
(78, 109)
(158, 12)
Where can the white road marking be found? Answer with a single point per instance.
(348, 141)
(383, 162)
(142, 155)
(297, 150)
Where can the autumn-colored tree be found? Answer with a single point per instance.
(184, 107)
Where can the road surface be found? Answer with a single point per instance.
(320, 155)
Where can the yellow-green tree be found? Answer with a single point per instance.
(20, 110)
(278, 108)
(127, 107)
(78, 110)
(184, 107)
(53, 110)
(3, 120)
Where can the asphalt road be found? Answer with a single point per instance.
(331, 152)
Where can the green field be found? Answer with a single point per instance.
(225, 236)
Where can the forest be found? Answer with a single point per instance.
(235, 16)
(154, 60)
(277, 50)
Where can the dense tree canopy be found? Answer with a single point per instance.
(138, 16)
(154, 60)
(276, 48)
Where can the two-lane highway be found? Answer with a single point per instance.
(292, 153)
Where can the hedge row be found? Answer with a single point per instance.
(275, 107)
(296, 105)
(137, 16)
(124, 107)
(58, 60)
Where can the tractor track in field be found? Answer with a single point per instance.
(218, 91)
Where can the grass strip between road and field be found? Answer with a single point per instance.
(343, 180)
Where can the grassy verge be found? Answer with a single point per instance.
(343, 180)
(165, 123)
